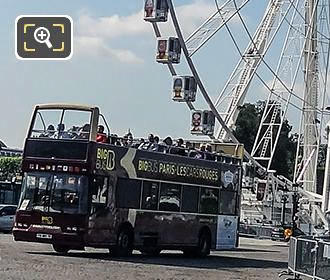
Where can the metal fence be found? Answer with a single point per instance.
(309, 257)
(259, 231)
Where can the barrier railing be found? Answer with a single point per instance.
(309, 257)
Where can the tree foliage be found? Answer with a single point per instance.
(247, 125)
(9, 167)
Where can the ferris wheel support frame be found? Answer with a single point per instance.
(248, 65)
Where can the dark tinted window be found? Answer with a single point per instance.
(128, 193)
(228, 202)
(8, 211)
(186, 86)
(190, 199)
(170, 196)
(177, 83)
(99, 190)
(209, 201)
(150, 195)
(12, 210)
(171, 46)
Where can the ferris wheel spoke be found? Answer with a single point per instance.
(225, 12)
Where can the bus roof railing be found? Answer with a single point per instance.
(65, 106)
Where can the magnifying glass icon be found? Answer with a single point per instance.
(42, 35)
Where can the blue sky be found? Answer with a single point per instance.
(112, 66)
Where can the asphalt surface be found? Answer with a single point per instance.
(255, 259)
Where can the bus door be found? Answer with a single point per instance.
(228, 220)
(172, 223)
(100, 230)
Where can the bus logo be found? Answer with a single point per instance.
(105, 159)
(228, 178)
(47, 220)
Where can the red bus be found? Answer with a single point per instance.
(79, 193)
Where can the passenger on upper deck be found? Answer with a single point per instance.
(84, 131)
(49, 132)
(101, 136)
(178, 148)
(147, 145)
(61, 133)
(168, 141)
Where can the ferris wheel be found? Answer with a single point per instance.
(299, 81)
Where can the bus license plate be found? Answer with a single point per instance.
(44, 236)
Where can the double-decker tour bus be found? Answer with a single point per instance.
(79, 192)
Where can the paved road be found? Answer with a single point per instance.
(256, 259)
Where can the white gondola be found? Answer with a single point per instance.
(155, 10)
(202, 122)
(168, 50)
(184, 89)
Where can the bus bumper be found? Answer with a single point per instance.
(74, 240)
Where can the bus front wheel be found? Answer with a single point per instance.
(124, 246)
(204, 244)
(61, 249)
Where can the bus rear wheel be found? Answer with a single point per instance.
(124, 246)
(204, 245)
(62, 249)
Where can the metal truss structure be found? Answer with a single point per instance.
(235, 90)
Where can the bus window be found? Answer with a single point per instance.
(209, 201)
(228, 203)
(128, 193)
(170, 196)
(99, 190)
(69, 194)
(150, 195)
(61, 124)
(190, 199)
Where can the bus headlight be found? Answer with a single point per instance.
(74, 229)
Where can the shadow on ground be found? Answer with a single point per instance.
(179, 260)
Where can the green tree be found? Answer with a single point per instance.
(9, 167)
(247, 125)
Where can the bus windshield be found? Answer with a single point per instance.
(61, 124)
(63, 193)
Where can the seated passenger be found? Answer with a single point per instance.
(101, 137)
(177, 151)
(208, 153)
(61, 133)
(147, 145)
(130, 138)
(168, 141)
(179, 143)
(195, 154)
(161, 148)
(49, 132)
(124, 141)
(84, 131)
